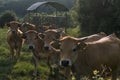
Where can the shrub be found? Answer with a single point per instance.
(6, 17)
(74, 31)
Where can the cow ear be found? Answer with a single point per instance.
(24, 36)
(102, 33)
(8, 24)
(19, 24)
(82, 46)
(60, 33)
(42, 35)
(57, 35)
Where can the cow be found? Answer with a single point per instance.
(94, 37)
(52, 35)
(27, 26)
(84, 57)
(46, 27)
(36, 45)
(14, 38)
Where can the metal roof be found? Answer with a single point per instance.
(56, 5)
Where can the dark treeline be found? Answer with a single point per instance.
(20, 6)
(98, 15)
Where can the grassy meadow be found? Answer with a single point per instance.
(22, 68)
(19, 69)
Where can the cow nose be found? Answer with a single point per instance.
(46, 48)
(24, 36)
(13, 31)
(30, 47)
(65, 63)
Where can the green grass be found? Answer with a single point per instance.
(21, 69)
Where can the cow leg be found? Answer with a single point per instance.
(11, 53)
(68, 73)
(35, 65)
(114, 75)
(49, 64)
(77, 77)
(18, 52)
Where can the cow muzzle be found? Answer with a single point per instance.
(13, 32)
(31, 46)
(47, 47)
(65, 63)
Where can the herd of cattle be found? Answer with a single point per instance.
(76, 56)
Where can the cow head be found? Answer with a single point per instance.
(14, 26)
(51, 35)
(31, 36)
(27, 26)
(70, 48)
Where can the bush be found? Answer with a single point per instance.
(75, 32)
(6, 17)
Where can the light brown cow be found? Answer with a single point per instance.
(46, 27)
(84, 57)
(36, 44)
(27, 26)
(94, 37)
(52, 35)
(14, 38)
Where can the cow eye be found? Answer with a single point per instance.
(74, 49)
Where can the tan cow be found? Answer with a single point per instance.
(94, 37)
(84, 57)
(52, 35)
(36, 44)
(14, 38)
(27, 26)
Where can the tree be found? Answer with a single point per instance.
(6, 17)
(98, 15)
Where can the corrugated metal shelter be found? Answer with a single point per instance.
(34, 8)
(56, 5)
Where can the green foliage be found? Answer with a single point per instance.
(20, 6)
(23, 68)
(6, 17)
(98, 15)
(74, 32)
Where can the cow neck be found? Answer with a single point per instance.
(34, 53)
(40, 44)
(82, 58)
(81, 63)
(16, 38)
